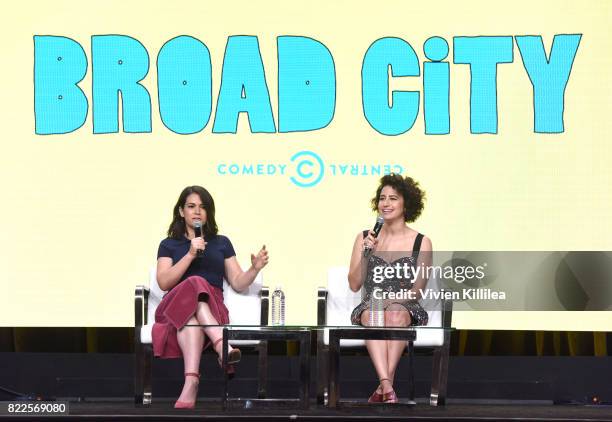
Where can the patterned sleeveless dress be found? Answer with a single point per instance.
(418, 315)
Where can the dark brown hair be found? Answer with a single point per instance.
(178, 228)
(414, 196)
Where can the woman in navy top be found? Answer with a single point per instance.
(191, 269)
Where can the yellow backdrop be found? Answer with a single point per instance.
(83, 214)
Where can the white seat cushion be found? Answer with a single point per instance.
(244, 307)
(146, 334)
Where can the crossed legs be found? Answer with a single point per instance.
(191, 342)
(385, 354)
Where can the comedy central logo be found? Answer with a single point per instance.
(306, 169)
(309, 169)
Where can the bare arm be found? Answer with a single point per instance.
(239, 279)
(355, 274)
(169, 274)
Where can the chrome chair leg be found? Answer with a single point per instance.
(439, 378)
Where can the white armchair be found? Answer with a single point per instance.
(249, 307)
(334, 306)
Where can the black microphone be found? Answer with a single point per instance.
(197, 228)
(377, 228)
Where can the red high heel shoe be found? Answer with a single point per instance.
(233, 357)
(188, 404)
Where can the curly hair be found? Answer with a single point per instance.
(414, 196)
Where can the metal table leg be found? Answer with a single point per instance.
(334, 362)
(225, 343)
(411, 368)
(305, 369)
(262, 369)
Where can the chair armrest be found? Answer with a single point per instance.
(321, 306)
(447, 313)
(141, 305)
(264, 295)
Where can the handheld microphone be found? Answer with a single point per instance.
(197, 228)
(377, 228)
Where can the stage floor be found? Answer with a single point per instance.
(211, 410)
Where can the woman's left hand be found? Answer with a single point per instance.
(261, 259)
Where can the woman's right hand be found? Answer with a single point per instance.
(197, 243)
(370, 241)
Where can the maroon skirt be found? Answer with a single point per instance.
(177, 307)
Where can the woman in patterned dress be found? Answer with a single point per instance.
(399, 200)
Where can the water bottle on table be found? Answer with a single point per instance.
(377, 312)
(278, 307)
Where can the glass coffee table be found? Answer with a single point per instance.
(271, 333)
(265, 334)
(362, 333)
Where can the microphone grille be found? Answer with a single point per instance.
(380, 220)
(197, 224)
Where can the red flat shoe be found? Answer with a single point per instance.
(375, 398)
(390, 397)
(187, 404)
